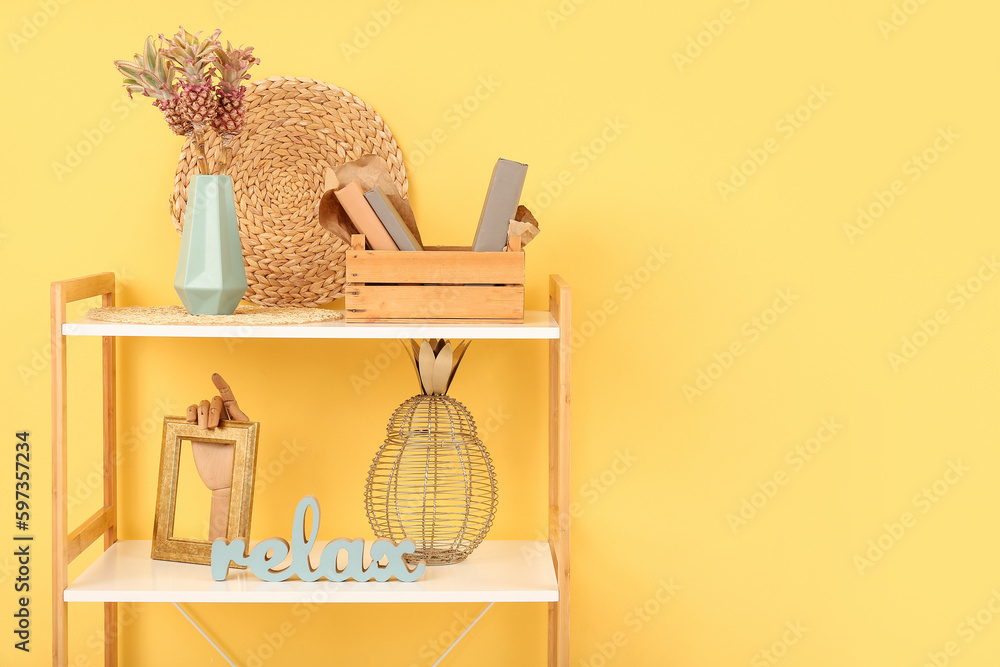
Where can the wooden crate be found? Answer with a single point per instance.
(440, 284)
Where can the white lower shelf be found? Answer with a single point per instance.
(497, 571)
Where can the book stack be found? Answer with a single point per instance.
(374, 215)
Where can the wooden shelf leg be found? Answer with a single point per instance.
(60, 528)
(559, 469)
(110, 478)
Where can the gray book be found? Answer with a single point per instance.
(391, 220)
(501, 202)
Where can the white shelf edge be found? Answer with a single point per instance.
(498, 571)
(537, 325)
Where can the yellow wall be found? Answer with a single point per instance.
(792, 314)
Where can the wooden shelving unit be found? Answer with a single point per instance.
(498, 571)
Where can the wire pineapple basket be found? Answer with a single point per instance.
(432, 480)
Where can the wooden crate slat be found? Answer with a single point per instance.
(374, 303)
(451, 267)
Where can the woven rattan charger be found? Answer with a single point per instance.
(295, 129)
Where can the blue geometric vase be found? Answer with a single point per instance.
(211, 278)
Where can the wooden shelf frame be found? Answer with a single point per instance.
(553, 326)
(66, 544)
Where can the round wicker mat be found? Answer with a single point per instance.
(295, 129)
(244, 315)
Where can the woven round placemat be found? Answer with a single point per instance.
(244, 315)
(295, 130)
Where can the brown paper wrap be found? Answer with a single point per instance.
(523, 225)
(367, 171)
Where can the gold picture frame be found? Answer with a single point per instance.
(243, 436)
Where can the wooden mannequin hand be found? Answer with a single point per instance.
(214, 460)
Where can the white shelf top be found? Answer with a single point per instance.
(497, 571)
(537, 325)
